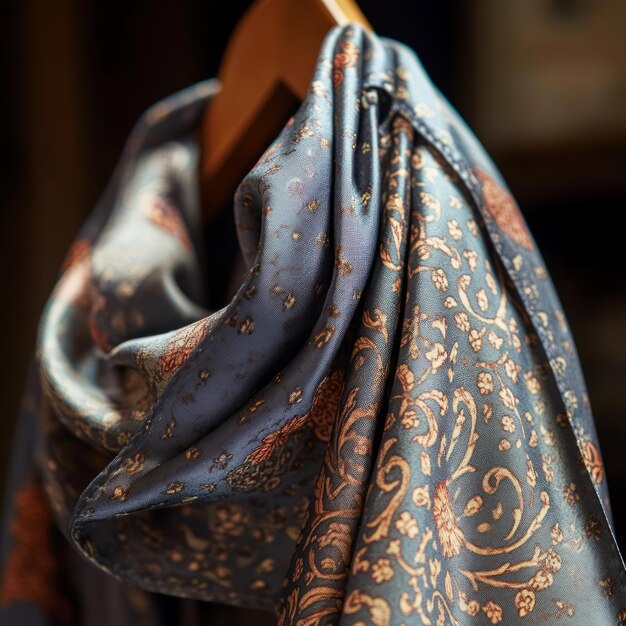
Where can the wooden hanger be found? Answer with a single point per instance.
(263, 77)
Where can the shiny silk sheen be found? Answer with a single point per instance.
(384, 423)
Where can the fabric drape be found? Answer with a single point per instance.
(384, 422)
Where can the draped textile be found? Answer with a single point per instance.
(356, 402)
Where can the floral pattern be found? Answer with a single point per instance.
(387, 424)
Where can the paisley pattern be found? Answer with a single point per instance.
(386, 424)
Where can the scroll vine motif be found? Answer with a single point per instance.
(463, 374)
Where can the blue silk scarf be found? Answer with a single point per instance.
(385, 423)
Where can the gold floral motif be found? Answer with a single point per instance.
(135, 463)
(120, 493)
(378, 608)
(246, 327)
(450, 535)
(382, 571)
(276, 438)
(325, 405)
(323, 336)
(504, 210)
(525, 602)
(593, 461)
(493, 611)
(407, 525)
(346, 57)
(181, 345)
(376, 320)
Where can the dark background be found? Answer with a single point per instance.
(541, 82)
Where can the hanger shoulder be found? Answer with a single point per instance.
(265, 71)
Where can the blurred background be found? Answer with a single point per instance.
(541, 82)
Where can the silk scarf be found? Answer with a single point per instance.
(384, 421)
